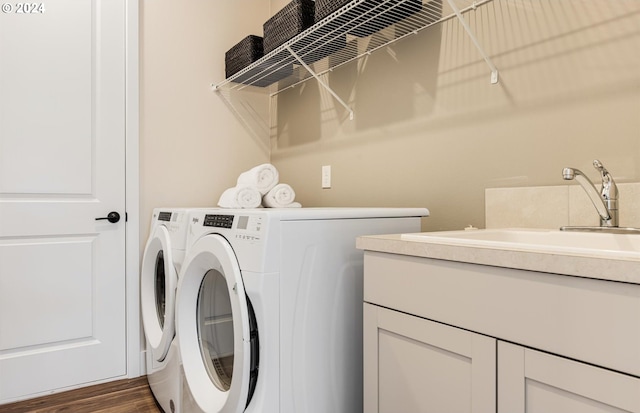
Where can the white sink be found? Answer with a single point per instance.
(606, 245)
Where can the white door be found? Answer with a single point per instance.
(416, 365)
(531, 381)
(62, 143)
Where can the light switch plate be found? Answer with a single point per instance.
(326, 176)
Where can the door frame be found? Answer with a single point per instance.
(135, 356)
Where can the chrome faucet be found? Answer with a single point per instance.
(606, 202)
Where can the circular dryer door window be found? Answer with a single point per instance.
(160, 288)
(215, 328)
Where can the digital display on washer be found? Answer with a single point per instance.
(164, 216)
(218, 221)
(243, 220)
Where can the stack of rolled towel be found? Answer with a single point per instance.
(259, 187)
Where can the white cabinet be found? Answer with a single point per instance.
(444, 336)
(415, 365)
(531, 381)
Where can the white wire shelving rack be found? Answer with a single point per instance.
(335, 41)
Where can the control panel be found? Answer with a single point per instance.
(218, 221)
(244, 227)
(164, 216)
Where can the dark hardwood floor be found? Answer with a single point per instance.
(122, 396)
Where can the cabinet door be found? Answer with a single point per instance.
(530, 381)
(415, 365)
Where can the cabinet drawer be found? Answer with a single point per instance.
(592, 320)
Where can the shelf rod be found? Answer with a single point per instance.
(494, 70)
(320, 81)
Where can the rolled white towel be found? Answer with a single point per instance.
(240, 197)
(280, 196)
(292, 205)
(263, 177)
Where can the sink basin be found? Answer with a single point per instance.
(606, 245)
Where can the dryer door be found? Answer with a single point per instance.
(157, 293)
(213, 327)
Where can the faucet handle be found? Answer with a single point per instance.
(600, 167)
(609, 188)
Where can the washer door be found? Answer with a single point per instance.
(157, 293)
(213, 329)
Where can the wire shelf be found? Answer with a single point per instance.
(334, 41)
(354, 31)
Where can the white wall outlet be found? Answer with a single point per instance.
(326, 176)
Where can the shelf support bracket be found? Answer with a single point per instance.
(314, 74)
(494, 70)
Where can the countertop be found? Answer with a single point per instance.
(620, 270)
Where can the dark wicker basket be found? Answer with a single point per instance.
(294, 18)
(323, 8)
(387, 12)
(247, 51)
(241, 55)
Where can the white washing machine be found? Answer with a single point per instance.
(161, 262)
(269, 308)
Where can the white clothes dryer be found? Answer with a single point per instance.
(269, 307)
(161, 262)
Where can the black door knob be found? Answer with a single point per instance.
(112, 217)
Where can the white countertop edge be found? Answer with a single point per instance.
(579, 266)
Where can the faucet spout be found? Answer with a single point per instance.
(606, 200)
